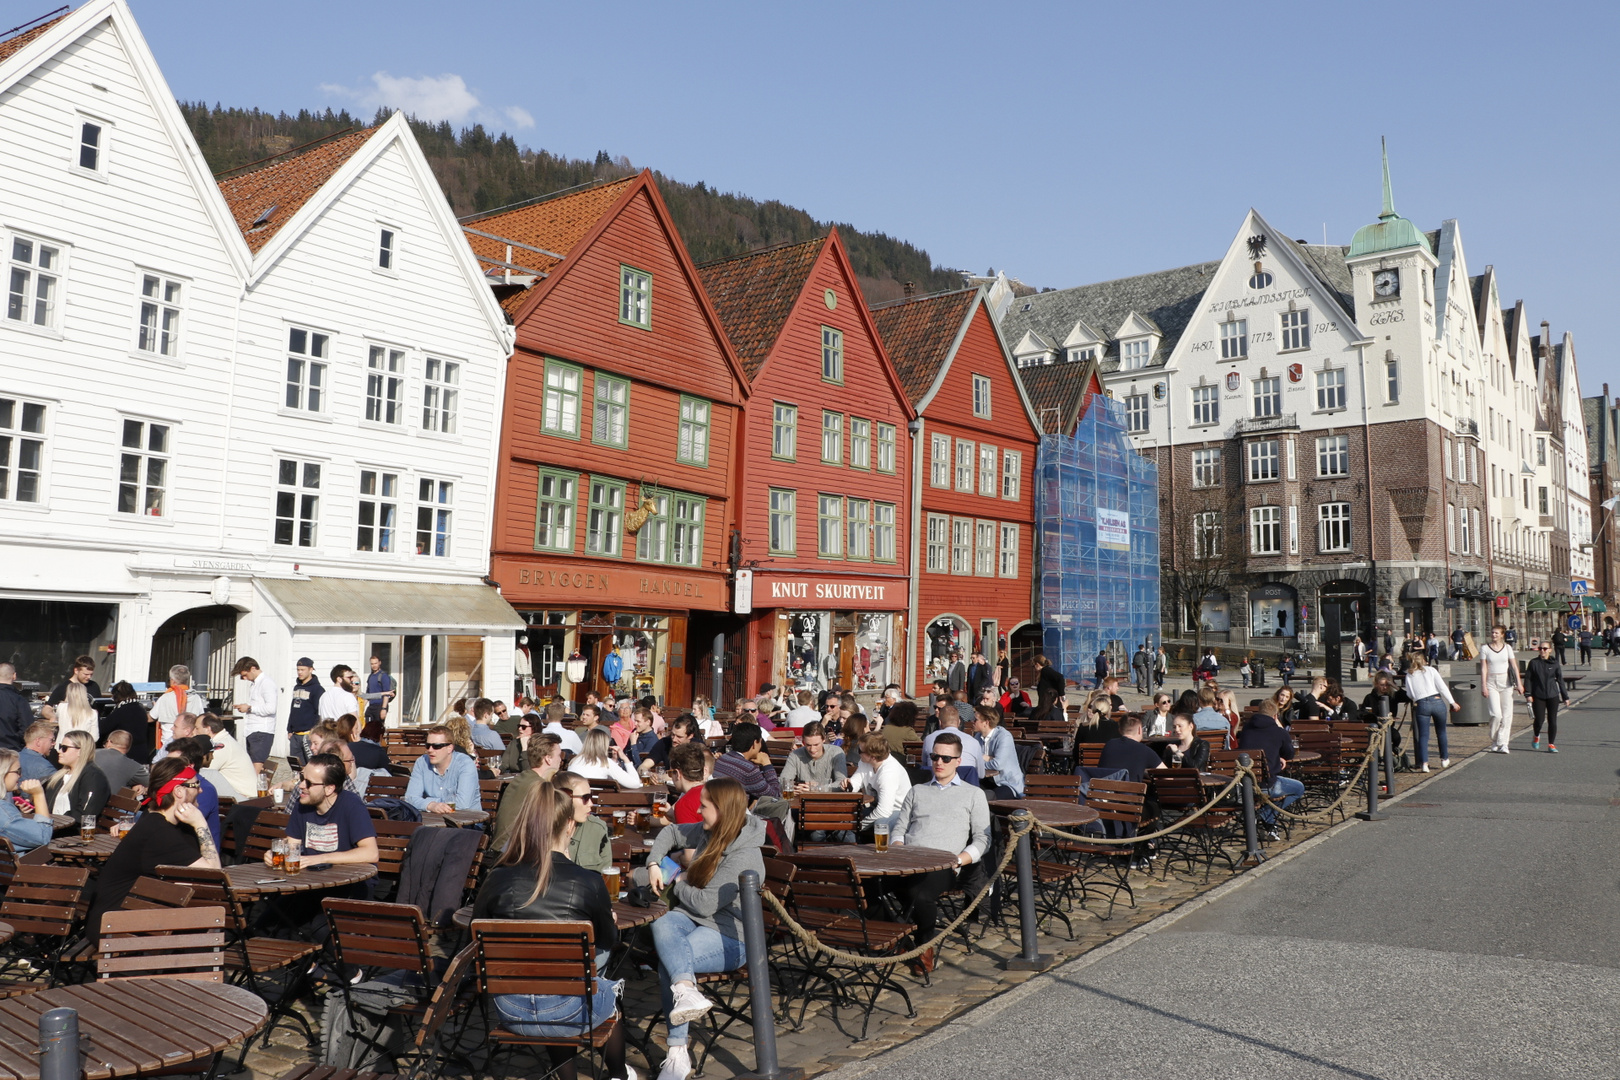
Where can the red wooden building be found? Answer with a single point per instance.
(825, 487)
(616, 487)
(974, 571)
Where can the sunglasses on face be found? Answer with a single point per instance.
(438, 745)
(525, 724)
(588, 797)
(937, 758)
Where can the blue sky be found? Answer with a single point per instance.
(1064, 143)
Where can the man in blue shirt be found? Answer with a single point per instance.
(1003, 776)
(443, 780)
(378, 682)
(34, 760)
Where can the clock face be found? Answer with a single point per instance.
(1387, 282)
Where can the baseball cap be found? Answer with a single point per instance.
(304, 661)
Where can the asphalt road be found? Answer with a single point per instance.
(1474, 934)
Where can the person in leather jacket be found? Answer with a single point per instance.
(535, 880)
(1545, 687)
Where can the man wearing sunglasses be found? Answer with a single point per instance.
(949, 814)
(443, 780)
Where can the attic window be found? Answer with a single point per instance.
(1134, 354)
(263, 219)
(385, 249)
(90, 146)
(1027, 305)
(1260, 279)
(1077, 355)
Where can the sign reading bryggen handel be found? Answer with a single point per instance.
(817, 592)
(1113, 529)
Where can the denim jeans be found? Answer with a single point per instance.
(686, 949)
(1430, 710)
(1285, 791)
(551, 1016)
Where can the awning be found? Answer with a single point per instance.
(1545, 603)
(1418, 589)
(404, 606)
(1594, 603)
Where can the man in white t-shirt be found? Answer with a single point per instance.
(803, 713)
(340, 698)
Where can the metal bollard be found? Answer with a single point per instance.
(1251, 829)
(1372, 812)
(59, 1045)
(1389, 766)
(1030, 958)
(759, 986)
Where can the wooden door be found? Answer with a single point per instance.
(677, 681)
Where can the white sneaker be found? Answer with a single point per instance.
(1424, 767)
(689, 1004)
(1445, 763)
(678, 1065)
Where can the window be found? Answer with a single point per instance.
(298, 502)
(984, 548)
(1541, 451)
(1268, 396)
(981, 396)
(35, 275)
(832, 438)
(1330, 389)
(859, 514)
(1235, 339)
(1260, 279)
(440, 394)
(1392, 381)
(1136, 412)
(603, 515)
(1265, 530)
(1134, 354)
(860, 443)
(1541, 500)
(433, 499)
(610, 411)
(1263, 460)
(1333, 526)
(143, 468)
(830, 535)
(883, 546)
(1293, 528)
(554, 512)
(1296, 330)
(964, 465)
(635, 297)
(385, 385)
(21, 456)
(961, 546)
(1333, 455)
(1206, 465)
(1206, 534)
(1206, 405)
(987, 470)
(939, 543)
(560, 413)
(379, 511)
(784, 431)
(1463, 541)
(885, 448)
(1077, 355)
(1012, 473)
(306, 370)
(1009, 551)
(692, 446)
(385, 249)
(784, 523)
(832, 355)
(939, 461)
(674, 532)
(686, 547)
(160, 316)
(90, 140)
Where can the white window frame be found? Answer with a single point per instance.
(435, 516)
(984, 548)
(987, 470)
(159, 317)
(1135, 355)
(885, 435)
(858, 516)
(441, 394)
(1235, 339)
(1392, 382)
(1206, 405)
(1007, 565)
(1332, 390)
(938, 550)
(1268, 390)
(981, 396)
(1206, 467)
(860, 443)
(1136, 413)
(1208, 530)
(832, 355)
(1265, 530)
(103, 146)
(385, 385)
(1012, 474)
(966, 454)
(1333, 527)
(1262, 452)
(1293, 528)
(1331, 450)
(303, 511)
(307, 392)
(23, 449)
(1445, 457)
(635, 297)
(962, 546)
(939, 461)
(387, 260)
(1294, 330)
(784, 431)
(829, 526)
(377, 493)
(23, 304)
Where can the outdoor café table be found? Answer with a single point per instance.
(456, 818)
(61, 823)
(256, 881)
(72, 849)
(899, 861)
(626, 916)
(1053, 812)
(1302, 756)
(131, 1026)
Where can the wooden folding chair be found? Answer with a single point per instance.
(369, 937)
(163, 943)
(526, 956)
(386, 786)
(1055, 786)
(44, 905)
(1119, 807)
(830, 813)
(270, 826)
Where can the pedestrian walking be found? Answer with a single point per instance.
(1457, 643)
(1610, 638)
(1161, 666)
(1049, 689)
(1431, 700)
(1432, 648)
(1358, 657)
(1584, 640)
(1141, 667)
(1544, 686)
(1100, 668)
(1499, 681)
(1243, 670)
(1560, 644)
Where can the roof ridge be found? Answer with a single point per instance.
(277, 159)
(521, 204)
(921, 296)
(1127, 277)
(19, 37)
(783, 246)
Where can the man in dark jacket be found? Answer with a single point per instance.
(15, 715)
(83, 668)
(306, 704)
(980, 677)
(956, 674)
(1544, 686)
(1264, 734)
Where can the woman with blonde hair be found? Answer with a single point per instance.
(78, 789)
(25, 833)
(600, 758)
(77, 714)
(703, 713)
(461, 734)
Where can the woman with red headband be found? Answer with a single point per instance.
(171, 831)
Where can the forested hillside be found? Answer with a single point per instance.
(480, 171)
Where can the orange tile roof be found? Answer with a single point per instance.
(14, 45)
(755, 293)
(1057, 391)
(555, 223)
(286, 183)
(918, 332)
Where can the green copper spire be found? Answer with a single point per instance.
(1392, 232)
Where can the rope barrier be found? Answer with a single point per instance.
(1375, 750)
(1173, 827)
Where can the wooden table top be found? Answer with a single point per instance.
(899, 861)
(131, 1026)
(625, 916)
(1051, 811)
(1303, 756)
(72, 849)
(257, 879)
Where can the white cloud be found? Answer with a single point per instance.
(519, 116)
(428, 97)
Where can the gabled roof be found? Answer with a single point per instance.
(265, 197)
(554, 223)
(17, 42)
(1057, 393)
(920, 334)
(754, 294)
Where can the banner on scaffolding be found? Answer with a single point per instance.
(1113, 529)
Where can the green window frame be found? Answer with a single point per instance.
(860, 443)
(784, 431)
(830, 526)
(604, 517)
(883, 534)
(832, 355)
(858, 513)
(610, 411)
(692, 445)
(783, 521)
(559, 413)
(673, 535)
(556, 495)
(885, 448)
(635, 297)
(832, 438)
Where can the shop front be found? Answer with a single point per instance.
(1273, 611)
(816, 631)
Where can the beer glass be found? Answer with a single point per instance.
(278, 854)
(87, 828)
(295, 856)
(610, 878)
(880, 837)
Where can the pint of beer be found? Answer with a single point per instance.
(295, 856)
(618, 823)
(87, 828)
(880, 837)
(610, 878)
(278, 854)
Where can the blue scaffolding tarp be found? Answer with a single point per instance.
(1098, 505)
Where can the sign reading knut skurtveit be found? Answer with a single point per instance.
(829, 592)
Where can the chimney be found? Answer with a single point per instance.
(911, 288)
(1546, 338)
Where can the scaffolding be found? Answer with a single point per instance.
(1098, 507)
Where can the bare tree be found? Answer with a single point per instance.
(1206, 554)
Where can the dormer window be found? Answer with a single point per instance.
(1135, 354)
(1087, 353)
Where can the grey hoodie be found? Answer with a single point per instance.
(716, 905)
